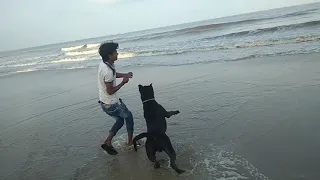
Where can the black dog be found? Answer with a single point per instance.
(157, 140)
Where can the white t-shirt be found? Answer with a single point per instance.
(105, 74)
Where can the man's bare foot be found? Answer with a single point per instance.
(130, 142)
(107, 143)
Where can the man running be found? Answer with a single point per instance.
(108, 99)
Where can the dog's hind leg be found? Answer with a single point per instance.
(172, 155)
(151, 153)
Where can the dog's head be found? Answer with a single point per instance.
(146, 92)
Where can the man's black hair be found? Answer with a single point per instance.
(107, 49)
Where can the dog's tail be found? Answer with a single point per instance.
(140, 136)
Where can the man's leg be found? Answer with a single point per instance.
(128, 117)
(129, 125)
(113, 131)
(115, 113)
(107, 146)
(109, 139)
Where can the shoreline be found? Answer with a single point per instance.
(166, 66)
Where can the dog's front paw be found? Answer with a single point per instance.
(176, 112)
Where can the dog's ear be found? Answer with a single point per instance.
(151, 85)
(140, 87)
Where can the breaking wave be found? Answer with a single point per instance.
(211, 27)
(264, 30)
(69, 60)
(271, 42)
(125, 55)
(224, 47)
(86, 46)
(94, 52)
(80, 56)
(77, 53)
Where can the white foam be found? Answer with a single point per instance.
(92, 45)
(126, 55)
(26, 70)
(77, 53)
(95, 52)
(71, 48)
(76, 67)
(69, 60)
(26, 64)
(225, 165)
(120, 143)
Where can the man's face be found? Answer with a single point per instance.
(114, 56)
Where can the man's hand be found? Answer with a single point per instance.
(129, 74)
(125, 79)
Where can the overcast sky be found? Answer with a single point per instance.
(27, 23)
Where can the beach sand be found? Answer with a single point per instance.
(254, 119)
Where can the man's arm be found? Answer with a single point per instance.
(113, 89)
(121, 75)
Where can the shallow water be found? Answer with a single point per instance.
(237, 121)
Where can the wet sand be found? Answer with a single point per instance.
(250, 119)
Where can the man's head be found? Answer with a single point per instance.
(108, 51)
